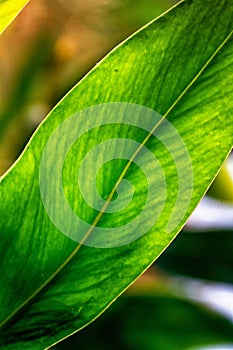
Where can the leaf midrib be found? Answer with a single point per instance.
(102, 211)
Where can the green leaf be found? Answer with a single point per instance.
(180, 66)
(9, 9)
(222, 187)
(153, 322)
(201, 255)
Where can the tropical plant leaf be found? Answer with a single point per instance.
(180, 65)
(9, 9)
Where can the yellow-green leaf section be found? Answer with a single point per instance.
(9, 9)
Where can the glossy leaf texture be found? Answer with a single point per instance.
(179, 65)
(9, 9)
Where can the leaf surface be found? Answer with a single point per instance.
(179, 65)
(9, 9)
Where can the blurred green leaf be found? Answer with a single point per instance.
(9, 9)
(149, 323)
(24, 86)
(181, 66)
(222, 187)
(140, 12)
(202, 255)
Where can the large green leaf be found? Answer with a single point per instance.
(179, 65)
(9, 9)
